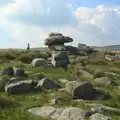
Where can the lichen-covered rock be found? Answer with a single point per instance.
(85, 74)
(104, 81)
(19, 87)
(37, 76)
(8, 71)
(48, 84)
(39, 62)
(80, 89)
(67, 113)
(98, 116)
(18, 71)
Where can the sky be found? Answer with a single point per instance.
(92, 22)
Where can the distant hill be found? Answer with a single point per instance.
(110, 47)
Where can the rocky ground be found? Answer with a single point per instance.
(88, 90)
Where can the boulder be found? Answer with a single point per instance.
(57, 47)
(67, 113)
(80, 89)
(57, 40)
(15, 79)
(55, 34)
(18, 72)
(37, 76)
(73, 113)
(104, 81)
(48, 84)
(85, 74)
(39, 62)
(58, 55)
(19, 87)
(98, 116)
(8, 71)
(109, 58)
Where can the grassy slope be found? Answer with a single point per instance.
(16, 112)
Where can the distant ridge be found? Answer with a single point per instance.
(109, 47)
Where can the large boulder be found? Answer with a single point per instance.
(85, 74)
(68, 113)
(58, 55)
(19, 87)
(48, 84)
(37, 76)
(15, 79)
(104, 81)
(109, 58)
(39, 62)
(8, 71)
(57, 40)
(80, 89)
(18, 72)
(98, 116)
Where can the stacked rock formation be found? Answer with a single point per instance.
(55, 43)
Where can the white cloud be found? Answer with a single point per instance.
(94, 26)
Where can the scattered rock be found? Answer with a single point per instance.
(15, 79)
(85, 74)
(98, 116)
(80, 89)
(68, 113)
(53, 101)
(99, 108)
(63, 81)
(48, 84)
(109, 58)
(18, 71)
(104, 81)
(37, 76)
(39, 62)
(8, 71)
(18, 87)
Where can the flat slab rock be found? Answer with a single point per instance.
(68, 113)
(98, 116)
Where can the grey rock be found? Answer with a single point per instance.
(56, 40)
(99, 108)
(55, 34)
(109, 58)
(104, 81)
(18, 71)
(48, 84)
(57, 47)
(15, 79)
(37, 76)
(85, 74)
(68, 113)
(80, 89)
(7, 71)
(73, 113)
(63, 81)
(39, 62)
(19, 87)
(98, 116)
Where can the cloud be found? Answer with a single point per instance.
(28, 21)
(42, 12)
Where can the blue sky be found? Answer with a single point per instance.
(93, 22)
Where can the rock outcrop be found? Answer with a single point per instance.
(80, 89)
(55, 43)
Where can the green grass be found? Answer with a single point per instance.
(16, 111)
